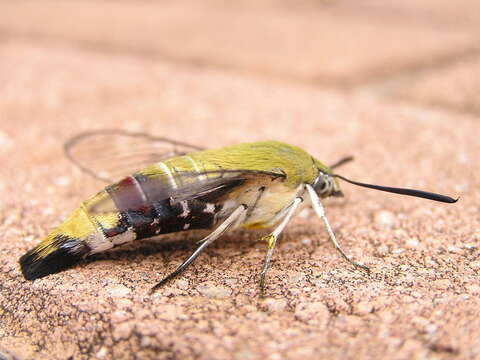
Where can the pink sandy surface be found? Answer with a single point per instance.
(392, 84)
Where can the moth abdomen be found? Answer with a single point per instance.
(61, 248)
(162, 217)
(61, 253)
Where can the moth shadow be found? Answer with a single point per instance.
(170, 244)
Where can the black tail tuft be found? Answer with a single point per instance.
(65, 253)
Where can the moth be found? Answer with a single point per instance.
(168, 186)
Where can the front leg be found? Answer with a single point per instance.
(318, 207)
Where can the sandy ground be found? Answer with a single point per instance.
(391, 83)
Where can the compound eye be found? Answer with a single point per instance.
(322, 186)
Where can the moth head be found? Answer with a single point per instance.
(331, 185)
(326, 184)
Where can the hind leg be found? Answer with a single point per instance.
(220, 230)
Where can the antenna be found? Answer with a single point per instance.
(342, 161)
(401, 191)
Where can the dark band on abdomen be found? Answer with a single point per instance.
(147, 209)
(165, 217)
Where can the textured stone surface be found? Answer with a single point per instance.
(422, 297)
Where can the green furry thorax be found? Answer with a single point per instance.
(299, 166)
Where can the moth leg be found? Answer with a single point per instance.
(220, 230)
(246, 214)
(261, 190)
(272, 240)
(318, 207)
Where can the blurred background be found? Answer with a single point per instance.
(189, 58)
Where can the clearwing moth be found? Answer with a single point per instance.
(182, 187)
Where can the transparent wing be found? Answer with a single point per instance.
(112, 154)
(137, 191)
(219, 183)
